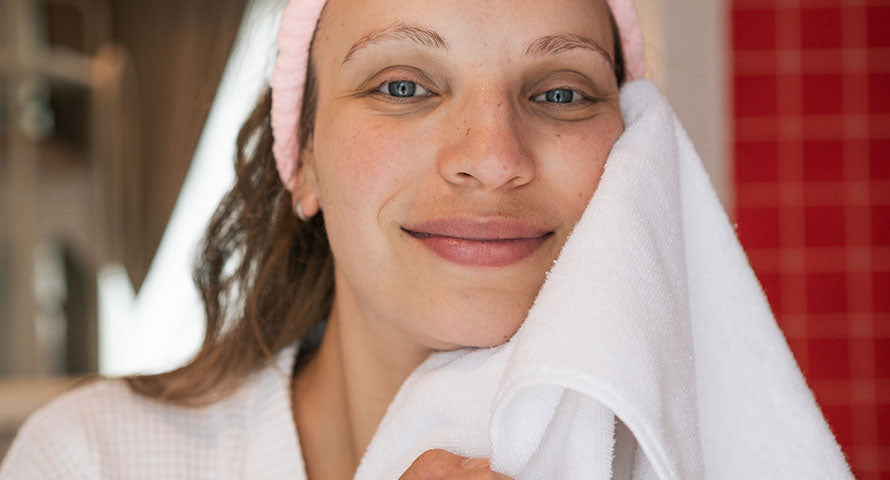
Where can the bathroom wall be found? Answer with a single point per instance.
(810, 98)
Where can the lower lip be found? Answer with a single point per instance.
(481, 253)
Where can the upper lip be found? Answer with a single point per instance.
(467, 228)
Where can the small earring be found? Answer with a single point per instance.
(298, 209)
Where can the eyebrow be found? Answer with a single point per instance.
(555, 44)
(398, 31)
(546, 45)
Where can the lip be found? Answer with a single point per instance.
(480, 243)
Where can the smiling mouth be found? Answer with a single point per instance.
(480, 244)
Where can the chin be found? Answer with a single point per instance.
(480, 329)
(477, 315)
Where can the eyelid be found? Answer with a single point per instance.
(569, 80)
(398, 73)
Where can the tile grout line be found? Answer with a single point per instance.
(862, 358)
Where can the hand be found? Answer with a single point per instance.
(441, 465)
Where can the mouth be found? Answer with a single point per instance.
(489, 243)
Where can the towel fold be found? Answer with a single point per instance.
(650, 351)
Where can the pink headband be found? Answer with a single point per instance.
(297, 27)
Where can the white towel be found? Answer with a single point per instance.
(650, 351)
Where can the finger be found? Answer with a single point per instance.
(433, 464)
(475, 463)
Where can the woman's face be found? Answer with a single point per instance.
(456, 145)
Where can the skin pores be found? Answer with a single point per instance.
(453, 152)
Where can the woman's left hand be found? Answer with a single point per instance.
(439, 464)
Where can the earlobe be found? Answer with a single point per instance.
(306, 206)
(306, 202)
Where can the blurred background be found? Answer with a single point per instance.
(117, 127)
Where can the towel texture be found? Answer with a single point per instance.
(651, 322)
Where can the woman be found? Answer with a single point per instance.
(451, 148)
(451, 160)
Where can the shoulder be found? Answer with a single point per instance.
(104, 429)
(55, 441)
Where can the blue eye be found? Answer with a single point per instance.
(558, 95)
(403, 89)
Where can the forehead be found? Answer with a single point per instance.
(466, 24)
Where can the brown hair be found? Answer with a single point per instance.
(266, 279)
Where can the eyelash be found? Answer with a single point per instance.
(380, 90)
(578, 98)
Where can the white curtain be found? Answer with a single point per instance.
(162, 326)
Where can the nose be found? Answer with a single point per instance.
(485, 148)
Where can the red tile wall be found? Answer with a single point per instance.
(811, 122)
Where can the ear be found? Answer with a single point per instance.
(307, 194)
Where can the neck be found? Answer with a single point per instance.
(341, 395)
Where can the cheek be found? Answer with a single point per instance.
(360, 162)
(580, 158)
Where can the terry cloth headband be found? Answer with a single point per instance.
(295, 34)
